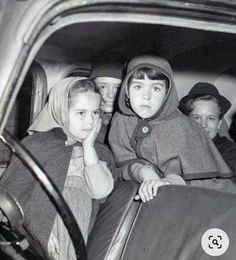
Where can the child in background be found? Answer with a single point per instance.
(67, 151)
(107, 77)
(151, 140)
(205, 105)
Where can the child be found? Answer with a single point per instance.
(107, 77)
(67, 152)
(151, 139)
(205, 105)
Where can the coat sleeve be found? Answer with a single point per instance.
(99, 180)
(17, 180)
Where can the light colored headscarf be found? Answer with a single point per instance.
(55, 112)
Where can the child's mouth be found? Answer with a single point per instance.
(109, 103)
(145, 106)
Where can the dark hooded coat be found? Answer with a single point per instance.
(169, 141)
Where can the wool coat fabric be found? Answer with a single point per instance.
(169, 140)
(54, 156)
(103, 134)
(227, 149)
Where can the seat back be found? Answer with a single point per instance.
(169, 227)
(114, 221)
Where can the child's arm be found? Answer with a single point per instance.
(175, 179)
(98, 177)
(99, 180)
(150, 181)
(119, 141)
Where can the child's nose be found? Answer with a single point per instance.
(147, 95)
(111, 93)
(203, 123)
(147, 92)
(90, 119)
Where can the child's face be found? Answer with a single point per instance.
(84, 113)
(146, 96)
(206, 113)
(108, 89)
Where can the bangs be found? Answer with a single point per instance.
(152, 74)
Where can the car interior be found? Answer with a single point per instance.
(195, 54)
(71, 50)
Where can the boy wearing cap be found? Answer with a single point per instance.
(107, 77)
(205, 105)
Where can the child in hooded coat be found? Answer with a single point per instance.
(151, 141)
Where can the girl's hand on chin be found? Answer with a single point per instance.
(90, 139)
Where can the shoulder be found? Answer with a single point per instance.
(120, 120)
(182, 124)
(117, 117)
(44, 140)
(189, 124)
(37, 137)
(102, 150)
(224, 141)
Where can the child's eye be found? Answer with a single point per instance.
(80, 113)
(102, 87)
(195, 117)
(157, 88)
(212, 118)
(136, 86)
(96, 112)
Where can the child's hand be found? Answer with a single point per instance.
(148, 189)
(91, 137)
(53, 247)
(90, 155)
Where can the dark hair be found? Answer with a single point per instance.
(189, 107)
(152, 74)
(81, 86)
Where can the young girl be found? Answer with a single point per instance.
(65, 148)
(155, 144)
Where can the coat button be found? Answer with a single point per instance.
(145, 129)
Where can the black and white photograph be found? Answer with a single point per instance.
(117, 130)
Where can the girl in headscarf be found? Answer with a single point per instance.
(65, 147)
